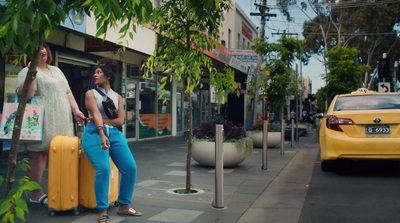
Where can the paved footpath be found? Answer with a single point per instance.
(250, 193)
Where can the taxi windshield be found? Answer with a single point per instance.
(368, 102)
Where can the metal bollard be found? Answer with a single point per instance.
(265, 146)
(282, 152)
(292, 131)
(219, 167)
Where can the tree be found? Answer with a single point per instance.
(321, 98)
(189, 28)
(345, 72)
(279, 82)
(368, 27)
(25, 26)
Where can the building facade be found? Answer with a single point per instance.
(76, 51)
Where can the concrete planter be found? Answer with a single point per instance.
(274, 138)
(204, 154)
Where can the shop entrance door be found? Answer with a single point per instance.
(132, 110)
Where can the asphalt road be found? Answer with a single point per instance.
(355, 192)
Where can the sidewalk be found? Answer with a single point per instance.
(250, 193)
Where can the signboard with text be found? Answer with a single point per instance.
(246, 31)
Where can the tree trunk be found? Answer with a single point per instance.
(12, 160)
(189, 154)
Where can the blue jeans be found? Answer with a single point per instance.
(121, 156)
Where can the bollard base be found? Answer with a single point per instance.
(220, 206)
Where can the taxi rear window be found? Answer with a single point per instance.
(368, 102)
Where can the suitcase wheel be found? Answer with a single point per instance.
(116, 204)
(76, 211)
(81, 208)
(52, 213)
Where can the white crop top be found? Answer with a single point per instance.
(99, 99)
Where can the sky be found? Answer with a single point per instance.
(278, 24)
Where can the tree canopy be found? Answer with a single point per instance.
(278, 82)
(345, 71)
(369, 27)
(26, 24)
(189, 28)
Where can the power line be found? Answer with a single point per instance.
(346, 4)
(355, 34)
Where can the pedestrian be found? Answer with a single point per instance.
(271, 117)
(49, 88)
(292, 116)
(101, 140)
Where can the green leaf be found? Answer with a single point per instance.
(21, 203)
(32, 185)
(87, 3)
(124, 28)
(162, 94)
(20, 213)
(11, 218)
(28, 3)
(1, 180)
(46, 33)
(5, 206)
(168, 70)
(47, 18)
(6, 218)
(5, 18)
(53, 8)
(14, 25)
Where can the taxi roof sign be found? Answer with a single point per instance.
(362, 90)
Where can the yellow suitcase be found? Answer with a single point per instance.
(63, 175)
(87, 173)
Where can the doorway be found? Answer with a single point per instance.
(132, 109)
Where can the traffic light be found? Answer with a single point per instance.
(384, 68)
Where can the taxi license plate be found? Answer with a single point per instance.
(377, 129)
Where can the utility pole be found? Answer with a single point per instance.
(284, 33)
(263, 9)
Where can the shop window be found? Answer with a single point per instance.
(164, 119)
(147, 108)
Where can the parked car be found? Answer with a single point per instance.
(360, 126)
(319, 115)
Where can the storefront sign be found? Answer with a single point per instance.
(220, 53)
(98, 45)
(148, 120)
(246, 56)
(225, 54)
(246, 31)
(164, 122)
(239, 65)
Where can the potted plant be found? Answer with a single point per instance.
(236, 146)
(256, 134)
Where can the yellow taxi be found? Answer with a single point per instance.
(360, 126)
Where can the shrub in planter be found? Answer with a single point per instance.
(274, 134)
(205, 154)
(232, 133)
(272, 127)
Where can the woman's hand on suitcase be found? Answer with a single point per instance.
(105, 144)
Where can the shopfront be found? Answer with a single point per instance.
(147, 115)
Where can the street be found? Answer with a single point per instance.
(355, 192)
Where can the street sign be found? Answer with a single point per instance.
(384, 87)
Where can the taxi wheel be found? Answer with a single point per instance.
(327, 165)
